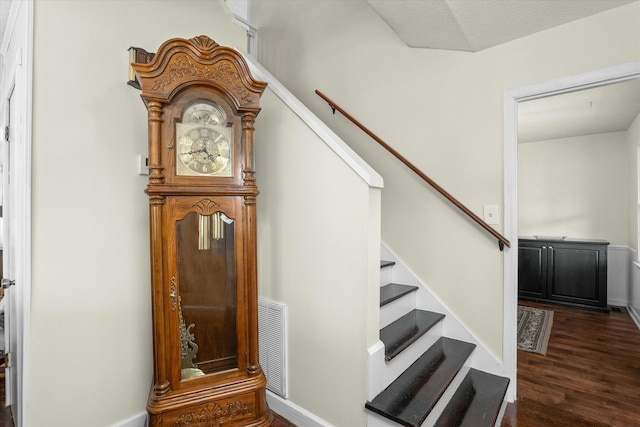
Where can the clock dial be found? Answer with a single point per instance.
(204, 143)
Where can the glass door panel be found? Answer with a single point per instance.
(208, 330)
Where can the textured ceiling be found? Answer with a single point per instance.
(473, 25)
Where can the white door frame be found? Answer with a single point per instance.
(511, 98)
(16, 52)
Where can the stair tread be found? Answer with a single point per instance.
(406, 330)
(384, 264)
(410, 398)
(477, 401)
(393, 291)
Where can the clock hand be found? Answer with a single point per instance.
(209, 155)
(203, 150)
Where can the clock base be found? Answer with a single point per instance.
(242, 404)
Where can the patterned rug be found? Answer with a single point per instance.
(534, 329)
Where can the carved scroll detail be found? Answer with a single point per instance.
(173, 294)
(212, 415)
(206, 206)
(222, 71)
(188, 346)
(204, 43)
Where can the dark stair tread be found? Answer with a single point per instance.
(406, 330)
(384, 264)
(409, 399)
(477, 401)
(393, 291)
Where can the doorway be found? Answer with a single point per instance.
(511, 100)
(16, 51)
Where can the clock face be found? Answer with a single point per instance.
(203, 141)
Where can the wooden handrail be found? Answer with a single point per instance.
(502, 241)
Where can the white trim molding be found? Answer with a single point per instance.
(294, 413)
(333, 141)
(16, 82)
(138, 420)
(511, 98)
(633, 304)
(619, 259)
(240, 12)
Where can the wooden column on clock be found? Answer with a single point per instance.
(202, 103)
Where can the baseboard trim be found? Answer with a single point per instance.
(137, 420)
(634, 315)
(376, 366)
(294, 413)
(617, 302)
(618, 274)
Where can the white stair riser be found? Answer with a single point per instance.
(394, 310)
(386, 275)
(375, 420)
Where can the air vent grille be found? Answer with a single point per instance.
(272, 344)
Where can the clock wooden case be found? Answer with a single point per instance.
(202, 103)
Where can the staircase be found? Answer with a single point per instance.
(427, 377)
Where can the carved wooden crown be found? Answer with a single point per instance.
(180, 63)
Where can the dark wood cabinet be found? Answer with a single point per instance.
(563, 271)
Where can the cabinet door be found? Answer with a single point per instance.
(206, 329)
(577, 274)
(532, 264)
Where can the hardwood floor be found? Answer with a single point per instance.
(590, 375)
(279, 421)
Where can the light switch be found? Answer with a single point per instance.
(143, 164)
(491, 214)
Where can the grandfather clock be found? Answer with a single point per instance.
(202, 103)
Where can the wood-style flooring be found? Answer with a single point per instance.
(279, 421)
(590, 376)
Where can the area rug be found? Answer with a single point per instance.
(534, 329)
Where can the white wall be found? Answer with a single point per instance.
(574, 187)
(317, 221)
(441, 109)
(91, 361)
